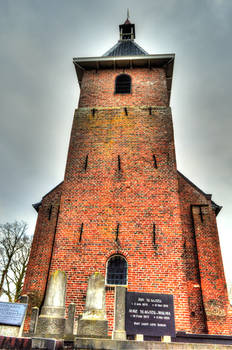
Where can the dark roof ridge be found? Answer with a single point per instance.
(53, 189)
(38, 204)
(140, 48)
(208, 196)
(216, 207)
(125, 48)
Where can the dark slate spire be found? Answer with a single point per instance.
(126, 46)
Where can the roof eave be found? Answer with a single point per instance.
(36, 206)
(165, 61)
(217, 208)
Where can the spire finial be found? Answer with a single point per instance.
(128, 15)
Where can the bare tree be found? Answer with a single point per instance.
(15, 250)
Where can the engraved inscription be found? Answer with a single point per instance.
(12, 314)
(150, 314)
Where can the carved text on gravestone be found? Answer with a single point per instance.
(150, 314)
(12, 314)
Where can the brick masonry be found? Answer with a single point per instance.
(40, 258)
(97, 195)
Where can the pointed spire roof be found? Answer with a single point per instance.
(127, 21)
(126, 45)
(126, 48)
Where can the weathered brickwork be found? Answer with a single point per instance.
(188, 196)
(121, 172)
(41, 251)
(148, 88)
(136, 197)
(110, 294)
(208, 299)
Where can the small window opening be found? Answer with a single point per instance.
(81, 231)
(86, 162)
(93, 112)
(150, 111)
(50, 212)
(126, 111)
(154, 161)
(117, 233)
(119, 163)
(117, 270)
(201, 214)
(184, 245)
(154, 235)
(123, 84)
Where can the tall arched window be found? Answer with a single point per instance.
(116, 270)
(123, 84)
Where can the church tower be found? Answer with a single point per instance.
(123, 209)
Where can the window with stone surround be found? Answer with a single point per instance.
(116, 270)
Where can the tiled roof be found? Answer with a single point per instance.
(126, 48)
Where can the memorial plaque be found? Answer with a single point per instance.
(150, 314)
(12, 314)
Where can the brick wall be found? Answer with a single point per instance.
(137, 197)
(208, 297)
(148, 88)
(121, 170)
(41, 250)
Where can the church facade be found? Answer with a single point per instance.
(124, 209)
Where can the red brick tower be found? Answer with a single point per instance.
(123, 209)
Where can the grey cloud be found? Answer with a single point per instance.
(39, 90)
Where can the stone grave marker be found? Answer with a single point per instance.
(93, 322)
(51, 321)
(150, 314)
(12, 317)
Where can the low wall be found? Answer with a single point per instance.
(104, 344)
(13, 343)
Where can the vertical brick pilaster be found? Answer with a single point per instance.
(212, 278)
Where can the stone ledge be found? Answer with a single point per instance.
(47, 344)
(113, 108)
(105, 344)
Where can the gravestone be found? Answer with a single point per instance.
(34, 320)
(69, 322)
(119, 332)
(51, 321)
(12, 317)
(93, 322)
(150, 314)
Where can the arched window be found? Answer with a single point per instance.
(116, 270)
(123, 84)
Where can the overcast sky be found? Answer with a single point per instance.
(39, 91)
